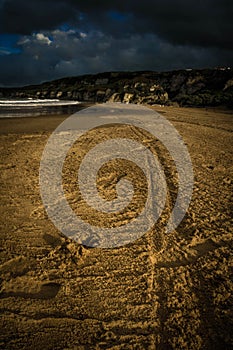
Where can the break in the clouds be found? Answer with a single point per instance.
(43, 40)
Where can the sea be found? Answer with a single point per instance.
(29, 107)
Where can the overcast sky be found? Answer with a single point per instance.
(42, 40)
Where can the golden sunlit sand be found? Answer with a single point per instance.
(164, 291)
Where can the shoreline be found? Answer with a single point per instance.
(35, 124)
(48, 123)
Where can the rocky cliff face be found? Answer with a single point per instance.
(209, 87)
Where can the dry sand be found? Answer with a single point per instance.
(161, 292)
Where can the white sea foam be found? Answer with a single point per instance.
(35, 103)
(29, 107)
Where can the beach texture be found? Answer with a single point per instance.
(163, 291)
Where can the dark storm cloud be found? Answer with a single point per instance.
(23, 16)
(73, 53)
(49, 39)
(190, 22)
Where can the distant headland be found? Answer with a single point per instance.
(189, 87)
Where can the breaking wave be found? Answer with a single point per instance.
(11, 108)
(36, 102)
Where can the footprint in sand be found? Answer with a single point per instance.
(17, 284)
(28, 288)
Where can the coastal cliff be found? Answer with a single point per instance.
(204, 87)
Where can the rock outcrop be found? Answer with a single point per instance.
(207, 87)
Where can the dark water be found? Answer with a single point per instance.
(36, 108)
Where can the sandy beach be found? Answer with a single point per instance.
(164, 291)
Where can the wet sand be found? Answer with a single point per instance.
(164, 291)
(32, 124)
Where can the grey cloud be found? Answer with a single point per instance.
(112, 35)
(73, 53)
(193, 22)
